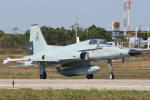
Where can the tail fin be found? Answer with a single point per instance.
(37, 41)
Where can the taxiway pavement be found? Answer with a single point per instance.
(119, 84)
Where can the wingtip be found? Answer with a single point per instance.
(6, 60)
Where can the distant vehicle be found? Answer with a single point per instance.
(74, 59)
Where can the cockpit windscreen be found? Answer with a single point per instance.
(97, 41)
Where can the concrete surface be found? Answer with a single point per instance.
(76, 84)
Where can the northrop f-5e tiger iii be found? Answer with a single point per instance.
(73, 59)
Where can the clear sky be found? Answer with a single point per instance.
(58, 13)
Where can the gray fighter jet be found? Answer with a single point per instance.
(74, 59)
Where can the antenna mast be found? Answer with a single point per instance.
(125, 18)
(76, 25)
(129, 9)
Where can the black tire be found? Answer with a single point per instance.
(111, 76)
(43, 76)
(89, 76)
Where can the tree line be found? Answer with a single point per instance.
(53, 36)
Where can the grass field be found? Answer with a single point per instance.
(93, 94)
(133, 68)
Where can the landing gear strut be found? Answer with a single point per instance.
(111, 75)
(42, 71)
(90, 76)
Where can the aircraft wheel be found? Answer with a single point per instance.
(43, 76)
(89, 76)
(111, 76)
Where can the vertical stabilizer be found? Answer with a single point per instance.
(37, 41)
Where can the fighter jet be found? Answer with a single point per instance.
(74, 59)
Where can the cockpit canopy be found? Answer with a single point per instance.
(97, 41)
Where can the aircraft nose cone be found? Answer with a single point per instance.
(133, 52)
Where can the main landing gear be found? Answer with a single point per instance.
(90, 76)
(42, 71)
(111, 75)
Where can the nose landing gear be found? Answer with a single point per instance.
(111, 75)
